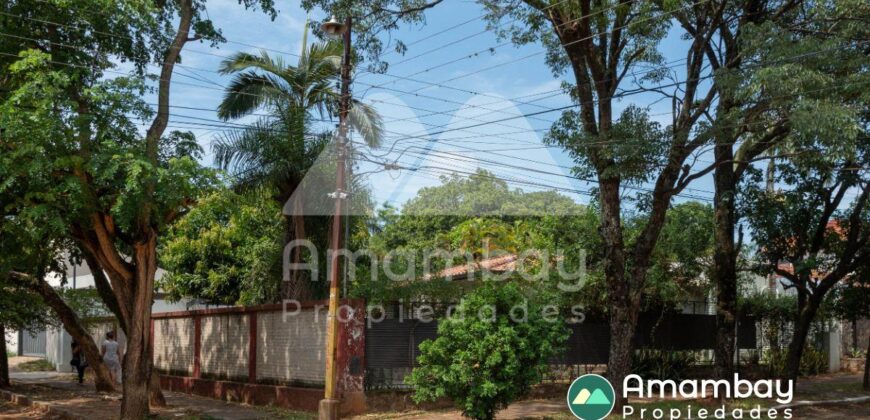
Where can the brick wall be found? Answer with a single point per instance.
(258, 344)
(225, 341)
(173, 345)
(291, 349)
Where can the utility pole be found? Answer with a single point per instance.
(330, 404)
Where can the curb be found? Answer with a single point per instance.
(46, 408)
(823, 402)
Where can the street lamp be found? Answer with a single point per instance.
(329, 407)
(333, 28)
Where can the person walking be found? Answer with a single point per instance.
(111, 352)
(78, 361)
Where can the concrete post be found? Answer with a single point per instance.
(832, 343)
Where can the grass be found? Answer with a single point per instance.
(285, 414)
(10, 353)
(40, 365)
(832, 390)
(186, 416)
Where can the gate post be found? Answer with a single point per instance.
(350, 356)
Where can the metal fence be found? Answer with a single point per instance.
(392, 345)
(32, 343)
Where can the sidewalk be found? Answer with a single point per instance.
(63, 394)
(82, 402)
(829, 387)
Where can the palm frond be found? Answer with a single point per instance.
(324, 56)
(367, 122)
(246, 93)
(245, 61)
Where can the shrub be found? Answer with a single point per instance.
(658, 364)
(813, 362)
(857, 353)
(483, 358)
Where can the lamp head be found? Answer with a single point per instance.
(333, 28)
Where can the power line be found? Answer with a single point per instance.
(443, 31)
(454, 156)
(202, 52)
(461, 128)
(443, 131)
(592, 36)
(502, 44)
(549, 94)
(297, 55)
(403, 92)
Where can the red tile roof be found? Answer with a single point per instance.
(499, 264)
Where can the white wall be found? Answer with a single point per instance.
(12, 341)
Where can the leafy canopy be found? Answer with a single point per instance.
(226, 250)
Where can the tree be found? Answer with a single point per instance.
(281, 148)
(371, 19)
(225, 251)
(775, 64)
(600, 44)
(22, 251)
(488, 355)
(78, 155)
(683, 256)
(814, 233)
(437, 210)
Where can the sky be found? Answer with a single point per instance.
(445, 82)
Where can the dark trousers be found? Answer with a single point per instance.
(80, 369)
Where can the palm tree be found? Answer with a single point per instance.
(280, 148)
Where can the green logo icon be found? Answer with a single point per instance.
(591, 397)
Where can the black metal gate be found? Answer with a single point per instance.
(392, 345)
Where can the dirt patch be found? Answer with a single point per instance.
(83, 401)
(9, 411)
(853, 411)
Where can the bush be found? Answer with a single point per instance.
(813, 362)
(857, 354)
(483, 359)
(658, 364)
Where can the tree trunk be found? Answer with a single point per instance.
(74, 327)
(137, 359)
(294, 229)
(799, 338)
(104, 288)
(4, 361)
(867, 367)
(622, 314)
(623, 320)
(155, 394)
(724, 271)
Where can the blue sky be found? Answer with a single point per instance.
(476, 88)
